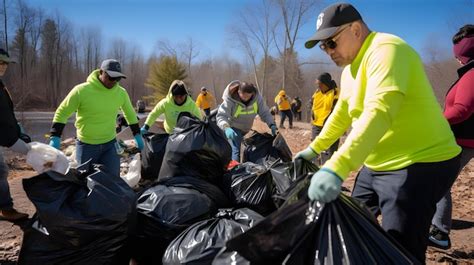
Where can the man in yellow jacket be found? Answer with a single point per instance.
(324, 99)
(205, 101)
(284, 107)
(406, 148)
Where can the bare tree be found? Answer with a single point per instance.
(166, 48)
(253, 31)
(118, 50)
(190, 52)
(295, 13)
(91, 39)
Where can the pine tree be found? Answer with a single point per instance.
(162, 73)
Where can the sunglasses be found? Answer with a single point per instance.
(113, 79)
(331, 42)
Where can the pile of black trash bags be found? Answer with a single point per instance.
(196, 211)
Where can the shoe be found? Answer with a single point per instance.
(232, 164)
(439, 238)
(282, 127)
(291, 126)
(12, 215)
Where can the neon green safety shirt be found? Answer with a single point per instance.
(396, 120)
(172, 111)
(97, 108)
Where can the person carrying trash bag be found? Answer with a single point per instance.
(409, 155)
(11, 137)
(236, 114)
(176, 102)
(96, 103)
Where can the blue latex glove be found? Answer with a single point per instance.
(230, 133)
(139, 141)
(55, 142)
(144, 130)
(274, 129)
(307, 154)
(325, 186)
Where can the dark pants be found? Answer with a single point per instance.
(6, 201)
(283, 115)
(207, 111)
(325, 155)
(104, 154)
(407, 199)
(297, 115)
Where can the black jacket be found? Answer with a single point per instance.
(9, 129)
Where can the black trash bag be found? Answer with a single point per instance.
(163, 213)
(170, 210)
(229, 257)
(212, 191)
(87, 213)
(196, 148)
(340, 232)
(265, 148)
(152, 154)
(201, 242)
(250, 185)
(285, 173)
(289, 175)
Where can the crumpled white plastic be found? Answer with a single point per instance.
(43, 157)
(134, 171)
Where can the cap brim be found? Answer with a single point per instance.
(114, 74)
(319, 36)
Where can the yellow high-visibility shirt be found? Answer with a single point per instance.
(205, 101)
(322, 106)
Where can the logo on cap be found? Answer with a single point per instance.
(319, 21)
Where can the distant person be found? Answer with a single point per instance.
(11, 137)
(236, 114)
(96, 103)
(141, 106)
(176, 102)
(324, 100)
(458, 110)
(284, 108)
(407, 151)
(205, 101)
(296, 106)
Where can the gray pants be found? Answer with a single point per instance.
(406, 199)
(325, 155)
(442, 217)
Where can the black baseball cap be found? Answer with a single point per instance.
(330, 20)
(112, 68)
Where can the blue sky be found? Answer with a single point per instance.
(143, 22)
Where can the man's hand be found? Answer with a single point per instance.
(230, 133)
(307, 154)
(139, 141)
(325, 186)
(55, 142)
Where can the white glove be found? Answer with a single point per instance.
(20, 147)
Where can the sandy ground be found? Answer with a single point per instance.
(462, 235)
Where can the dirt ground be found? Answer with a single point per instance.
(462, 235)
